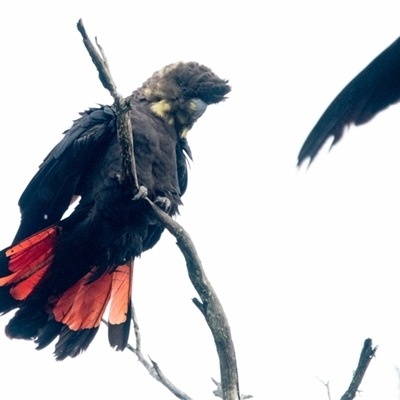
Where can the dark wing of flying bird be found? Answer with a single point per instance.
(60, 274)
(375, 88)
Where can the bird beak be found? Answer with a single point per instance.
(199, 107)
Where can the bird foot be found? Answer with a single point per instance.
(141, 193)
(163, 202)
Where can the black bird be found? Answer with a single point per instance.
(61, 273)
(375, 88)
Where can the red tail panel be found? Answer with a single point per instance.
(83, 305)
(121, 294)
(28, 261)
(24, 288)
(120, 310)
(73, 316)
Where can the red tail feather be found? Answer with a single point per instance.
(75, 314)
(22, 267)
(28, 261)
(119, 319)
(121, 293)
(83, 305)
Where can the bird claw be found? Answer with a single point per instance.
(141, 193)
(164, 203)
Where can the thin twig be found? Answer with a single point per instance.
(153, 368)
(136, 329)
(326, 384)
(122, 106)
(168, 384)
(99, 61)
(367, 353)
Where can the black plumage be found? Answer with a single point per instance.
(57, 270)
(375, 88)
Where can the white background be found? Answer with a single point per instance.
(306, 263)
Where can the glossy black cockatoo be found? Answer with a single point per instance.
(375, 88)
(61, 273)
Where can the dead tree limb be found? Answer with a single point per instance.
(367, 353)
(122, 106)
(153, 368)
(209, 305)
(326, 384)
(218, 391)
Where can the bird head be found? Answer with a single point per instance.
(181, 92)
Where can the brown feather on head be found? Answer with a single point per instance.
(180, 93)
(185, 81)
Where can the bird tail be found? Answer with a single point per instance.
(73, 315)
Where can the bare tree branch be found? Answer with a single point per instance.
(367, 353)
(326, 384)
(154, 370)
(209, 305)
(124, 128)
(218, 391)
(168, 384)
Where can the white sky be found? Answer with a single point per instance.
(306, 264)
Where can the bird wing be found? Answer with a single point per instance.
(375, 88)
(51, 190)
(61, 274)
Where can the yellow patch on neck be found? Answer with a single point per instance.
(161, 108)
(185, 133)
(193, 106)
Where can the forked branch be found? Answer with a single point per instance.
(209, 305)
